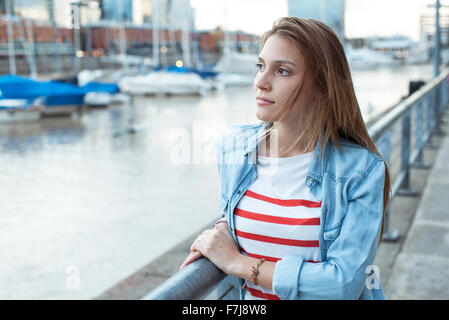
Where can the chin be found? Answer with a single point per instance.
(265, 115)
(261, 117)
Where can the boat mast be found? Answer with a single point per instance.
(186, 33)
(76, 25)
(155, 22)
(57, 53)
(122, 35)
(30, 49)
(10, 33)
(227, 42)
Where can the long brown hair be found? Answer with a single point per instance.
(335, 112)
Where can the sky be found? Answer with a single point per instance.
(255, 16)
(362, 18)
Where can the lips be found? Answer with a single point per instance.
(264, 101)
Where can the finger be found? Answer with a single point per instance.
(193, 247)
(222, 225)
(195, 244)
(186, 262)
(192, 257)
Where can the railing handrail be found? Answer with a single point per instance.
(199, 278)
(380, 126)
(192, 282)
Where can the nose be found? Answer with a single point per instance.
(262, 81)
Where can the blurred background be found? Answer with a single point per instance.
(109, 110)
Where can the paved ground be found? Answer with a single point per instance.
(416, 266)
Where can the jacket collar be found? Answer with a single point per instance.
(318, 166)
(254, 139)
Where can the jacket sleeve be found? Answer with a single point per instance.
(343, 274)
(218, 151)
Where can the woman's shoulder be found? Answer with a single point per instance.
(351, 158)
(352, 147)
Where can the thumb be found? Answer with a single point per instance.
(194, 255)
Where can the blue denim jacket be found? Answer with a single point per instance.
(349, 182)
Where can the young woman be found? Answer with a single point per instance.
(304, 193)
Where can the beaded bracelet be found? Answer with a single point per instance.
(254, 273)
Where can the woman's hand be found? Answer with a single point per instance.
(217, 245)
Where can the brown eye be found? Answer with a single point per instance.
(286, 72)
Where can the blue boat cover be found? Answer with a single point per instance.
(54, 93)
(203, 73)
(100, 87)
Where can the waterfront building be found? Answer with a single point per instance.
(28, 9)
(35, 36)
(117, 10)
(331, 12)
(101, 35)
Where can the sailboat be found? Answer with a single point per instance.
(100, 86)
(19, 111)
(365, 58)
(234, 68)
(173, 80)
(98, 94)
(165, 82)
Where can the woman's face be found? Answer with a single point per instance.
(280, 71)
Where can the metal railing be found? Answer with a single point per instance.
(425, 107)
(202, 280)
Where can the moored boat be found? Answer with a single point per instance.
(19, 111)
(165, 82)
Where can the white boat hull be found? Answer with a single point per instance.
(97, 99)
(120, 98)
(165, 83)
(370, 59)
(19, 116)
(15, 111)
(224, 80)
(59, 111)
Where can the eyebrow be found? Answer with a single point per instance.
(280, 61)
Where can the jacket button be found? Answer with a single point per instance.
(238, 192)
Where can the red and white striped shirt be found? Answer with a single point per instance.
(278, 216)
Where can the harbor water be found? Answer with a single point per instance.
(85, 203)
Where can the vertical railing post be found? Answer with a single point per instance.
(419, 137)
(443, 97)
(405, 189)
(446, 91)
(437, 109)
(430, 110)
(445, 94)
(430, 121)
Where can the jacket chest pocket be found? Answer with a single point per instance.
(329, 236)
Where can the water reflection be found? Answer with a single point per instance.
(34, 136)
